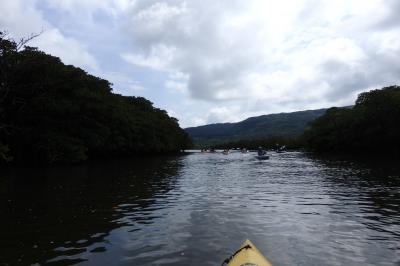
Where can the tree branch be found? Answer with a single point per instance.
(23, 41)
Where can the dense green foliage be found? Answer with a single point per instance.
(373, 124)
(261, 129)
(51, 112)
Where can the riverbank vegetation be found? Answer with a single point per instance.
(51, 112)
(264, 129)
(371, 125)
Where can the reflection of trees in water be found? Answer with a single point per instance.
(47, 213)
(375, 181)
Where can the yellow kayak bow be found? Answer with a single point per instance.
(247, 255)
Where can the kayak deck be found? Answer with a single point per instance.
(247, 254)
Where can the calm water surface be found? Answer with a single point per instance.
(198, 208)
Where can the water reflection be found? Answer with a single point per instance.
(372, 194)
(196, 209)
(51, 215)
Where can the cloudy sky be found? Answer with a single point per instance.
(208, 61)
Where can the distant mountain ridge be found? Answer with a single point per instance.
(282, 124)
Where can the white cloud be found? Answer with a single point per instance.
(69, 50)
(89, 7)
(218, 114)
(159, 57)
(229, 58)
(122, 83)
(22, 18)
(177, 82)
(137, 88)
(175, 86)
(289, 54)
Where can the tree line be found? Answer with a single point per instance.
(371, 125)
(51, 112)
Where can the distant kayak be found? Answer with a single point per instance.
(262, 157)
(247, 254)
(225, 152)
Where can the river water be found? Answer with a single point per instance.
(196, 209)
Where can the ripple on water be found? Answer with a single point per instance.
(197, 209)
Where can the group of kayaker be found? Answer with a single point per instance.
(225, 151)
(211, 150)
(260, 151)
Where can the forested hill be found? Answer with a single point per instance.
(51, 112)
(265, 126)
(371, 127)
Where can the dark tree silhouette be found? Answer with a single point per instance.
(51, 112)
(373, 124)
